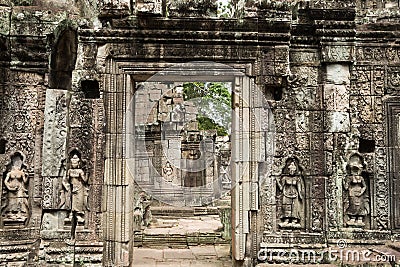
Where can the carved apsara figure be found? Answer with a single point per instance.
(168, 171)
(15, 210)
(357, 206)
(75, 185)
(291, 185)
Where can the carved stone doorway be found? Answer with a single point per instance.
(250, 133)
(393, 141)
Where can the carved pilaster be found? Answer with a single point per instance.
(54, 146)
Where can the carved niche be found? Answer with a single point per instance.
(15, 211)
(356, 193)
(63, 58)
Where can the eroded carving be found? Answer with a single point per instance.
(292, 186)
(142, 214)
(76, 189)
(55, 134)
(15, 207)
(357, 204)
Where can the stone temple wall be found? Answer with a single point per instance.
(68, 69)
(175, 151)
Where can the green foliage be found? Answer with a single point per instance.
(217, 91)
(205, 95)
(225, 9)
(193, 90)
(206, 123)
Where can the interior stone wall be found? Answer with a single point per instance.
(330, 72)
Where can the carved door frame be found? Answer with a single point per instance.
(393, 155)
(118, 225)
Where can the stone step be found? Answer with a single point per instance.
(178, 240)
(179, 212)
(198, 256)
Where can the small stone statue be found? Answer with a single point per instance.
(75, 185)
(356, 207)
(292, 186)
(15, 210)
(142, 214)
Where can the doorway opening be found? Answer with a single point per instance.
(183, 152)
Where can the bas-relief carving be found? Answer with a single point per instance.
(393, 79)
(378, 53)
(304, 56)
(317, 216)
(15, 206)
(268, 195)
(337, 53)
(168, 172)
(113, 3)
(368, 85)
(356, 201)
(376, 88)
(303, 76)
(223, 154)
(149, 6)
(179, 51)
(76, 191)
(326, 4)
(361, 77)
(381, 190)
(302, 206)
(54, 146)
(291, 185)
(54, 143)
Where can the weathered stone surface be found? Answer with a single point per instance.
(329, 70)
(55, 132)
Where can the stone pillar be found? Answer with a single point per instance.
(337, 122)
(239, 227)
(245, 154)
(118, 183)
(336, 103)
(54, 145)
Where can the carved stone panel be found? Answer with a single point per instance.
(337, 53)
(361, 80)
(150, 6)
(54, 146)
(393, 80)
(55, 132)
(336, 97)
